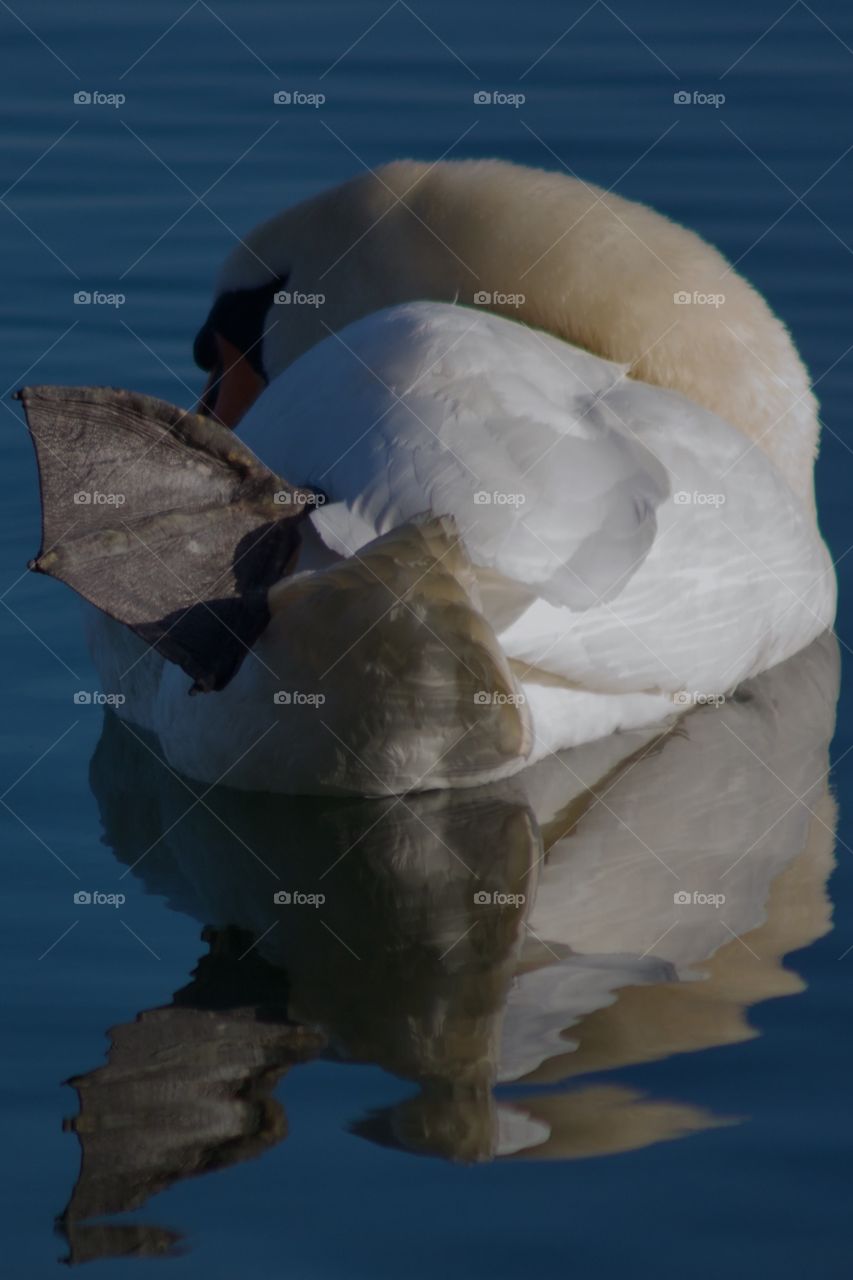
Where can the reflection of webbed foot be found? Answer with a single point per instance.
(186, 1089)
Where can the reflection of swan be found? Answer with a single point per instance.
(653, 1022)
(714, 815)
(403, 966)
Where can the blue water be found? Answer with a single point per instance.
(142, 199)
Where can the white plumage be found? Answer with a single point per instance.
(622, 554)
(632, 544)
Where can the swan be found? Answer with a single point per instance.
(502, 544)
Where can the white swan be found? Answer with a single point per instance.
(601, 272)
(615, 551)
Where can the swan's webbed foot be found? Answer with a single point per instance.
(164, 520)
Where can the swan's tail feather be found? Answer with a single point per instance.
(414, 680)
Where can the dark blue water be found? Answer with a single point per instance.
(705, 1130)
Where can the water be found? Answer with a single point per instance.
(691, 1128)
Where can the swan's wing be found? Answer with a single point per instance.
(737, 580)
(162, 519)
(446, 409)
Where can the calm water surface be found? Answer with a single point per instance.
(593, 1085)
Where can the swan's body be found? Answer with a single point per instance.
(614, 602)
(601, 572)
(524, 546)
